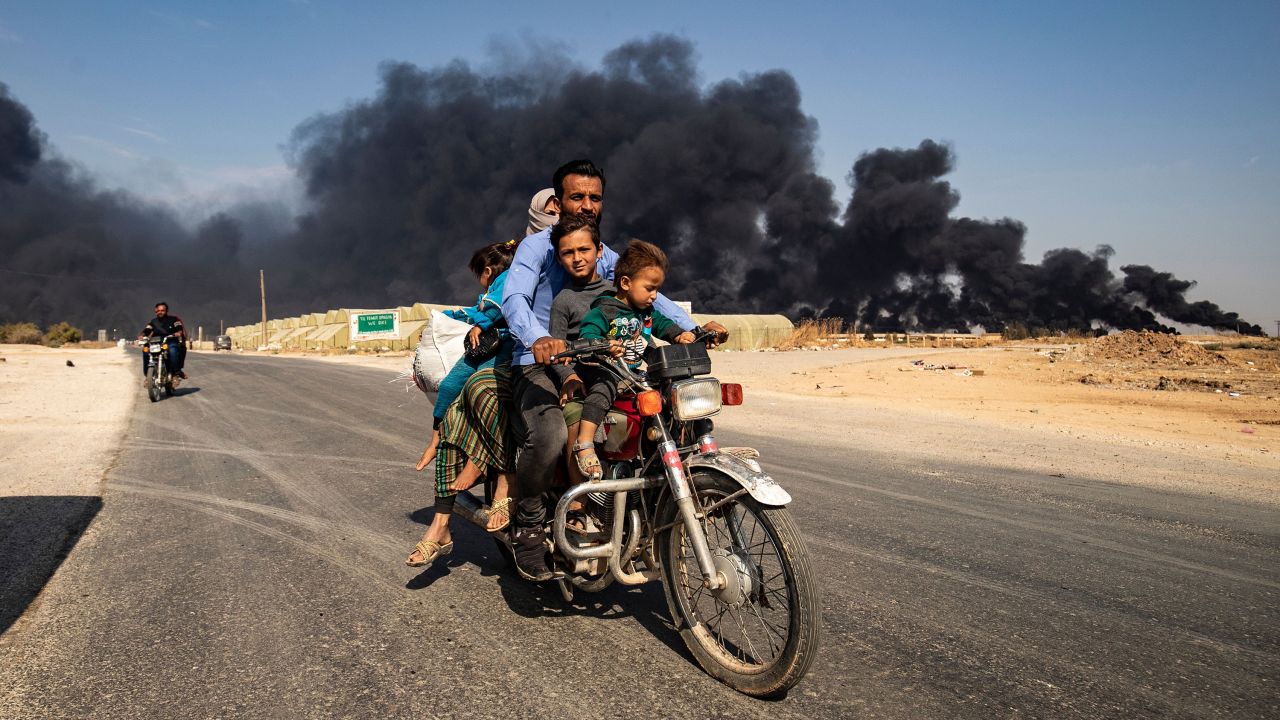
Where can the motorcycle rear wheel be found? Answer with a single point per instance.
(153, 390)
(760, 636)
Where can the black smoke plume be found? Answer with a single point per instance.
(72, 251)
(402, 187)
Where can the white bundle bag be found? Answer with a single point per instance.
(441, 347)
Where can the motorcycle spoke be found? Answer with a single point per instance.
(715, 621)
(770, 632)
(775, 629)
(779, 574)
(751, 647)
(752, 537)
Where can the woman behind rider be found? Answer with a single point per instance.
(471, 432)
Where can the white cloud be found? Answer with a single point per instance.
(197, 193)
(107, 145)
(182, 21)
(145, 134)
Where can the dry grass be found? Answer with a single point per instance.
(814, 333)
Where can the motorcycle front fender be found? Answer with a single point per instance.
(757, 483)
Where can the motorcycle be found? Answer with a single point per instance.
(159, 378)
(706, 521)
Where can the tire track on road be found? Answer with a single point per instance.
(1166, 560)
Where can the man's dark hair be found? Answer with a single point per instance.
(497, 256)
(165, 304)
(582, 167)
(570, 223)
(638, 256)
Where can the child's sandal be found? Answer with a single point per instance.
(588, 463)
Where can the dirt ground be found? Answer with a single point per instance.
(1206, 417)
(1142, 387)
(60, 424)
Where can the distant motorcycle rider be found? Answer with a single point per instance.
(161, 325)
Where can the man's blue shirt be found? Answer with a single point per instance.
(532, 283)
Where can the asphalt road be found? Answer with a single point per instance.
(247, 561)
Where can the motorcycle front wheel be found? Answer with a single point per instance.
(153, 389)
(758, 635)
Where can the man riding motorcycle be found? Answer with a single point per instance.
(532, 283)
(161, 325)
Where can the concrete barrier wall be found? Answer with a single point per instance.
(331, 330)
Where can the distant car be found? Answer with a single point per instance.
(222, 342)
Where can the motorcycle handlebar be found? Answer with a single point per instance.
(596, 346)
(142, 341)
(703, 335)
(582, 348)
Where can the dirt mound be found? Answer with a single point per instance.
(1148, 348)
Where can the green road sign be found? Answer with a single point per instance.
(375, 325)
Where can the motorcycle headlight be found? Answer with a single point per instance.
(694, 399)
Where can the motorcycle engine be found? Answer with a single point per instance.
(600, 504)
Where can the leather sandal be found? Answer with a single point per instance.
(502, 509)
(431, 551)
(588, 464)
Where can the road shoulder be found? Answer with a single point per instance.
(63, 413)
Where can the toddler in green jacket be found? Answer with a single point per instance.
(628, 318)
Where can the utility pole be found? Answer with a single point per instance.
(1278, 328)
(262, 285)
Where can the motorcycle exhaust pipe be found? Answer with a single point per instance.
(621, 487)
(615, 561)
(469, 508)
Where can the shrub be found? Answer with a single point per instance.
(1015, 331)
(1255, 345)
(21, 334)
(813, 332)
(62, 333)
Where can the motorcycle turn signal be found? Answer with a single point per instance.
(730, 394)
(649, 403)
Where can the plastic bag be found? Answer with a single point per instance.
(441, 347)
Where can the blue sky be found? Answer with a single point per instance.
(1152, 127)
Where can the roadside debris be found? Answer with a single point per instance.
(922, 365)
(1146, 347)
